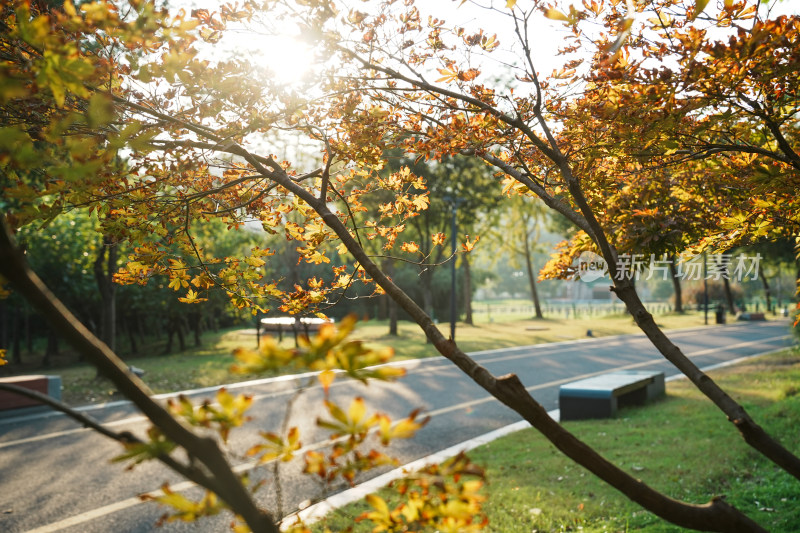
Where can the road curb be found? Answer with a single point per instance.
(322, 508)
(318, 510)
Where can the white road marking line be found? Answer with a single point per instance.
(249, 465)
(407, 362)
(445, 366)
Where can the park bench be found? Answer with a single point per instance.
(752, 317)
(12, 404)
(295, 325)
(601, 396)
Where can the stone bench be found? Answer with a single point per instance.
(752, 317)
(291, 324)
(601, 396)
(12, 404)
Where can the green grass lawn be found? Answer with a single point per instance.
(208, 364)
(683, 446)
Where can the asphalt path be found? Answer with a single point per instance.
(56, 476)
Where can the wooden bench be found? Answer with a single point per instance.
(12, 404)
(601, 396)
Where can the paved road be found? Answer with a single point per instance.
(55, 476)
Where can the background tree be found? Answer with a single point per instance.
(519, 230)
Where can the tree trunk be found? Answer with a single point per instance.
(16, 338)
(4, 324)
(52, 348)
(714, 516)
(767, 291)
(752, 433)
(532, 279)
(729, 295)
(130, 326)
(391, 305)
(170, 336)
(28, 335)
(104, 276)
(426, 281)
(197, 325)
(181, 336)
(393, 319)
(209, 466)
(467, 290)
(676, 284)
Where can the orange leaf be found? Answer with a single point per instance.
(326, 377)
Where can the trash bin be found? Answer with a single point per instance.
(720, 314)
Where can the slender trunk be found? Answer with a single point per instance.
(130, 326)
(198, 332)
(767, 291)
(103, 275)
(179, 329)
(52, 348)
(391, 305)
(28, 335)
(426, 282)
(4, 324)
(383, 305)
(16, 333)
(215, 474)
(717, 515)
(393, 319)
(196, 326)
(467, 290)
(752, 433)
(532, 278)
(729, 295)
(676, 283)
(170, 336)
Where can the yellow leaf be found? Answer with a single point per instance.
(410, 247)
(510, 3)
(357, 410)
(191, 298)
(699, 6)
(69, 8)
(555, 14)
(3, 358)
(377, 503)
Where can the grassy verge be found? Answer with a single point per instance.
(196, 367)
(509, 330)
(208, 364)
(682, 446)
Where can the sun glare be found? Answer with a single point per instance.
(287, 58)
